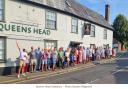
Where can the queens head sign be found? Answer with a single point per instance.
(23, 29)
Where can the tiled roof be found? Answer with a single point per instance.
(75, 8)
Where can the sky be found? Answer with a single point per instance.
(116, 7)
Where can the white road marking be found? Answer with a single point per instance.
(117, 71)
(93, 81)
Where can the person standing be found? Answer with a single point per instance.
(80, 54)
(44, 58)
(113, 52)
(67, 55)
(102, 53)
(61, 58)
(23, 57)
(87, 54)
(33, 61)
(110, 53)
(49, 59)
(54, 55)
(90, 54)
(76, 56)
(72, 57)
(98, 53)
(84, 55)
(93, 54)
(38, 58)
(27, 61)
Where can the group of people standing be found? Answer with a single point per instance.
(50, 59)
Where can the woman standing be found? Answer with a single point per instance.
(84, 55)
(67, 54)
(76, 56)
(80, 55)
(23, 58)
(54, 58)
(27, 63)
(49, 59)
(44, 58)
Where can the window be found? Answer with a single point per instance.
(50, 20)
(74, 25)
(2, 49)
(105, 33)
(1, 10)
(92, 31)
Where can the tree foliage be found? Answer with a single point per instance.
(120, 25)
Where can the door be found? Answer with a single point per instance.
(50, 44)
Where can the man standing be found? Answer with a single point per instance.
(33, 61)
(38, 58)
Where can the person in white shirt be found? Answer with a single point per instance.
(67, 55)
(23, 57)
(110, 52)
(102, 53)
(87, 54)
(84, 55)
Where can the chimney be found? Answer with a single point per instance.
(107, 12)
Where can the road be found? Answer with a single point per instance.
(115, 72)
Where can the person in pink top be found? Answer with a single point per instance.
(113, 52)
(44, 58)
(76, 56)
(80, 55)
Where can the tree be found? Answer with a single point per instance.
(120, 25)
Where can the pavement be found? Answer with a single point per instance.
(12, 79)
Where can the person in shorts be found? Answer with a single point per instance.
(49, 59)
(23, 57)
(27, 61)
(44, 59)
(33, 61)
(54, 58)
(67, 55)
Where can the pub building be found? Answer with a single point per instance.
(47, 24)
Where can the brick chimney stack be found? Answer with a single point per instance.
(107, 12)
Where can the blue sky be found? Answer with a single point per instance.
(116, 7)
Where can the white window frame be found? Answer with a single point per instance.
(92, 34)
(74, 26)
(2, 10)
(105, 34)
(50, 21)
(2, 49)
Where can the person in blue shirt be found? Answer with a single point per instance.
(38, 58)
